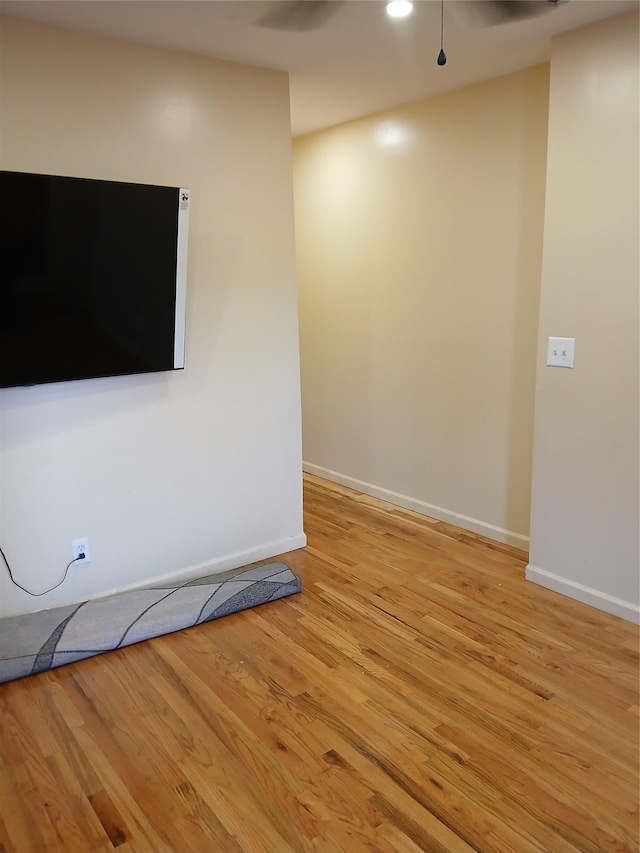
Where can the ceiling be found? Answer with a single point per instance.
(359, 62)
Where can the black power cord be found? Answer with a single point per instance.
(36, 594)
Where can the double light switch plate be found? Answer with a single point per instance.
(560, 352)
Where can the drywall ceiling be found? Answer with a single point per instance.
(358, 62)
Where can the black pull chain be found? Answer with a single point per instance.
(442, 56)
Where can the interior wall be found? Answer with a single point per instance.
(419, 238)
(165, 473)
(585, 506)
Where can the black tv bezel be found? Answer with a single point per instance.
(183, 195)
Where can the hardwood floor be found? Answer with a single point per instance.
(418, 695)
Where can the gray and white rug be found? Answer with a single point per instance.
(39, 641)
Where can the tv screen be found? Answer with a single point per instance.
(92, 278)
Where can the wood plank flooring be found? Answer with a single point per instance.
(418, 695)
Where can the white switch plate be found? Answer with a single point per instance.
(560, 352)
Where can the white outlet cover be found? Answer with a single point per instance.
(560, 352)
(80, 546)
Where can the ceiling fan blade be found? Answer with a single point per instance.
(299, 15)
(493, 12)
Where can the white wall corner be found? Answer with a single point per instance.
(585, 594)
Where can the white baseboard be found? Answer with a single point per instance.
(499, 534)
(222, 564)
(609, 603)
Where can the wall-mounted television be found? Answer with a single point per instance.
(92, 278)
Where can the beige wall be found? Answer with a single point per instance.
(163, 472)
(584, 522)
(419, 242)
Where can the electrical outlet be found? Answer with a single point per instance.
(78, 547)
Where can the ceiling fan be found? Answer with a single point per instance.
(490, 13)
(304, 15)
(299, 15)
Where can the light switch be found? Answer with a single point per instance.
(560, 352)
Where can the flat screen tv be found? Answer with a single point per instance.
(92, 278)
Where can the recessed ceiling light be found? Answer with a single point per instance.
(399, 8)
